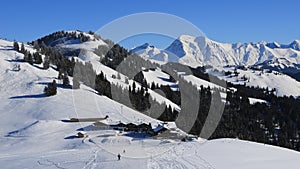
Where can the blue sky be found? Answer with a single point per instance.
(221, 20)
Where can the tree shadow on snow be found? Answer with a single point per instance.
(70, 137)
(174, 86)
(164, 79)
(39, 67)
(15, 60)
(29, 96)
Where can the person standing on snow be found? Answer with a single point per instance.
(119, 157)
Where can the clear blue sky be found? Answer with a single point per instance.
(222, 20)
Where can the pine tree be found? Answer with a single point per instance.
(60, 74)
(44, 48)
(144, 83)
(36, 45)
(16, 45)
(102, 85)
(30, 59)
(51, 89)
(153, 85)
(126, 80)
(133, 87)
(37, 58)
(26, 59)
(66, 81)
(91, 32)
(46, 63)
(23, 49)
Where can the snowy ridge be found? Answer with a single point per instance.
(148, 51)
(199, 51)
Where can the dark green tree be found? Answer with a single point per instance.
(51, 89)
(16, 45)
(23, 49)
(133, 87)
(46, 63)
(66, 81)
(37, 58)
(102, 85)
(60, 74)
(30, 58)
(36, 45)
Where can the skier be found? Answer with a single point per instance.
(119, 157)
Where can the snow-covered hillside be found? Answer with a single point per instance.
(90, 45)
(284, 85)
(159, 77)
(90, 56)
(33, 135)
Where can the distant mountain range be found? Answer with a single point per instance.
(201, 51)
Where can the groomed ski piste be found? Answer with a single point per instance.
(33, 135)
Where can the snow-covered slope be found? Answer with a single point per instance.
(90, 45)
(91, 57)
(157, 76)
(284, 85)
(32, 134)
(199, 51)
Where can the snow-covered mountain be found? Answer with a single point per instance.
(294, 45)
(150, 52)
(199, 51)
(34, 135)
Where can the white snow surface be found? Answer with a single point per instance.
(32, 134)
(159, 77)
(255, 100)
